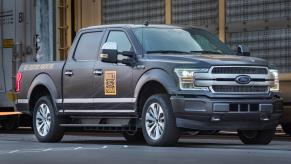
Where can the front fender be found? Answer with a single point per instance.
(157, 75)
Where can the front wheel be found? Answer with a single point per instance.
(256, 137)
(158, 121)
(45, 122)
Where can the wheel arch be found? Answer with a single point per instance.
(158, 79)
(41, 85)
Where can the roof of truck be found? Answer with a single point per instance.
(136, 26)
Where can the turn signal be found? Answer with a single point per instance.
(18, 81)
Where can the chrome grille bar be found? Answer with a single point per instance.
(221, 79)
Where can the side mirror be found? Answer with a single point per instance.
(243, 50)
(109, 52)
(130, 54)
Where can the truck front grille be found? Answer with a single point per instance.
(240, 89)
(236, 80)
(239, 70)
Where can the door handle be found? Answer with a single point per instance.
(69, 73)
(98, 72)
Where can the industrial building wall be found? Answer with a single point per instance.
(262, 25)
(45, 30)
(133, 11)
(17, 43)
(202, 13)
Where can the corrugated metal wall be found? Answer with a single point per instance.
(196, 12)
(133, 11)
(262, 25)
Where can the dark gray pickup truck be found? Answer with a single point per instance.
(151, 82)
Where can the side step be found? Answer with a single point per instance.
(92, 125)
(101, 127)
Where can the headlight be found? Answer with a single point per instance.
(187, 78)
(275, 87)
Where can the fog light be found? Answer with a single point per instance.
(215, 118)
(264, 118)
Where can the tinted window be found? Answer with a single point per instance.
(123, 44)
(180, 40)
(88, 45)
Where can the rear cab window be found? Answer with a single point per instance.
(88, 46)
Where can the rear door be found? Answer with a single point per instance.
(78, 73)
(113, 86)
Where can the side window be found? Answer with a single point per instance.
(123, 44)
(88, 45)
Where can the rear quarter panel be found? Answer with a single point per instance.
(33, 71)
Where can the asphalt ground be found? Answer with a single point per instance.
(21, 147)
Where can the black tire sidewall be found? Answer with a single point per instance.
(262, 137)
(55, 131)
(10, 123)
(286, 128)
(170, 134)
(137, 137)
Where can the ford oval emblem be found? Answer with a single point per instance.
(243, 79)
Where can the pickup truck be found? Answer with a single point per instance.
(151, 82)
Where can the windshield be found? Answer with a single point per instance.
(184, 41)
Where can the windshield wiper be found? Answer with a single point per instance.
(206, 52)
(167, 52)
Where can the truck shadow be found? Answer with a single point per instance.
(193, 142)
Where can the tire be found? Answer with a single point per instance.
(10, 123)
(262, 137)
(46, 128)
(159, 128)
(134, 136)
(287, 128)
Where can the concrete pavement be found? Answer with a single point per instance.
(95, 148)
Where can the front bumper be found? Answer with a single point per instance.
(203, 113)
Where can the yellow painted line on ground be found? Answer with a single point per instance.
(9, 113)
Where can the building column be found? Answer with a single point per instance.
(221, 10)
(99, 12)
(168, 11)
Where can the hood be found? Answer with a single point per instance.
(209, 59)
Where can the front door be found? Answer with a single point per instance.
(78, 73)
(113, 82)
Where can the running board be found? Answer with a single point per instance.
(92, 125)
(101, 127)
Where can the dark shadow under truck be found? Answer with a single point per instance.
(151, 82)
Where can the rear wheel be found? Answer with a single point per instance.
(287, 128)
(158, 121)
(45, 122)
(134, 136)
(10, 123)
(256, 137)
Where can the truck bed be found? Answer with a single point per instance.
(30, 71)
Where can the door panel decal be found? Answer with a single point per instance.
(110, 83)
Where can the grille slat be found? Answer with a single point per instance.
(223, 73)
(240, 89)
(239, 70)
